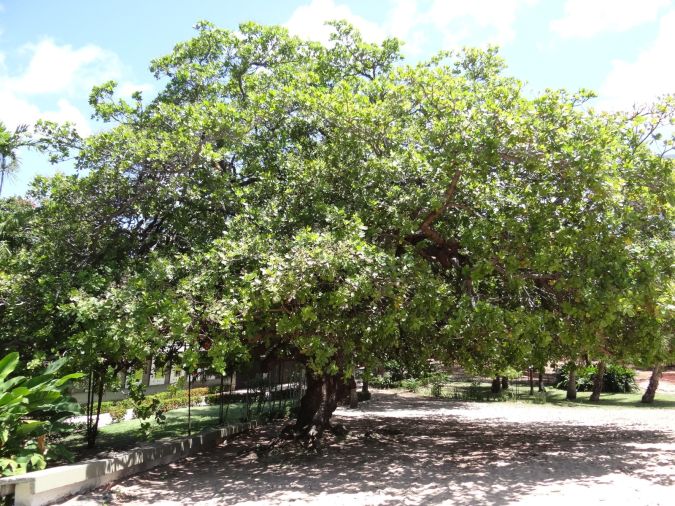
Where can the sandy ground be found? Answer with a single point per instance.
(404, 449)
(666, 386)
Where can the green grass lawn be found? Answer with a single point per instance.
(127, 434)
(606, 399)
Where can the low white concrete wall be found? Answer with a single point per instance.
(50, 485)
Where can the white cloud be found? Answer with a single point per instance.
(650, 75)
(412, 21)
(62, 69)
(53, 78)
(308, 21)
(17, 110)
(587, 18)
(467, 17)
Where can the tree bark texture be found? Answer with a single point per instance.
(505, 383)
(321, 398)
(540, 380)
(598, 381)
(572, 384)
(365, 392)
(650, 393)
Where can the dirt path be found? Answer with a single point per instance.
(403, 449)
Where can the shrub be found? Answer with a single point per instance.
(434, 377)
(384, 381)
(506, 395)
(617, 378)
(412, 385)
(168, 400)
(117, 412)
(32, 411)
(436, 389)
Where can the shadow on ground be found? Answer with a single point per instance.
(410, 451)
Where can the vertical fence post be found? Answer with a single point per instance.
(90, 406)
(280, 394)
(229, 401)
(248, 400)
(189, 403)
(222, 399)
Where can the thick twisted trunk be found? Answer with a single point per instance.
(321, 398)
(310, 402)
(650, 393)
(598, 381)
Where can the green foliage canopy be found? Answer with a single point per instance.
(284, 198)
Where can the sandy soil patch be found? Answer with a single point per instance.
(404, 449)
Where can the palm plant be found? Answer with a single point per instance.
(10, 142)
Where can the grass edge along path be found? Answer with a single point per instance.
(468, 392)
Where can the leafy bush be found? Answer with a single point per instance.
(168, 400)
(436, 389)
(110, 406)
(384, 381)
(117, 412)
(32, 412)
(617, 378)
(506, 395)
(412, 385)
(431, 378)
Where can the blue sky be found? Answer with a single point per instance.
(52, 52)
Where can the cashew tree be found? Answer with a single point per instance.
(331, 204)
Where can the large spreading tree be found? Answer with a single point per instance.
(330, 204)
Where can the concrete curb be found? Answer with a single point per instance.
(50, 485)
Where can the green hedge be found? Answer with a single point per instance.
(169, 400)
